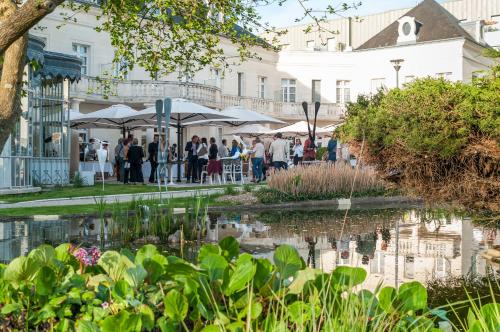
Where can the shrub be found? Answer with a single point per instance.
(68, 289)
(323, 181)
(78, 181)
(440, 138)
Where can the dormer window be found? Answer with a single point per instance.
(407, 30)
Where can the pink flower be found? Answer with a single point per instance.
(87, 257)
(105, 305)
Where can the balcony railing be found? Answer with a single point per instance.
(139, 91)
(283, 110)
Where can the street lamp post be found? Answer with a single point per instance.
(396, 63)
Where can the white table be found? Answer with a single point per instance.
(93, 166)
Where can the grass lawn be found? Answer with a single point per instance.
(94, 191)
(92, 208)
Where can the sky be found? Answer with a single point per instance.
(286, 14)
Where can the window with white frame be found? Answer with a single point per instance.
(121, 69)
(83, 53)
(377, 84)
(310, 44)
(262, 87)
(331, 44)
(442, 267)
(241, 84)
(316, 91)
(215, 76)
(343, 91)
(445, 75)
(288, 90)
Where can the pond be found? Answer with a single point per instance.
(414, 244)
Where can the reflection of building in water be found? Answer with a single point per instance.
(19, 237)
(429, 246)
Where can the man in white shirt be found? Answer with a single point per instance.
(279, 151)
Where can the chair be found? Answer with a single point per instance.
(227, 170)
(238, 169)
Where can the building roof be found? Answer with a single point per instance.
(436, 23)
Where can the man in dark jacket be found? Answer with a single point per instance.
(153, 158)
(192, 150)
(135, 155)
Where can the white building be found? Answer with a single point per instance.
(433, 40)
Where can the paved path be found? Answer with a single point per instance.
(87, 200)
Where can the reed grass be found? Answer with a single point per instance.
(324, 181)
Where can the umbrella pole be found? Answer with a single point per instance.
(179, 148)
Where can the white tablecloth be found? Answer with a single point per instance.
(93, 166)
(146, 169)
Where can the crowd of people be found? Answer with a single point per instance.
(206, 157)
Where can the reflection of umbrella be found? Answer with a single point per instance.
(253, 130)
(239, 116)
(298, 129)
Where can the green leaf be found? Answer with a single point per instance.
(386, 299)
(302, 277)
(63, 325)
(62, 252)
(147, 251)
(147, 317)
(263, 272)
(215, 265)
(115, 264)
(20, 269)
(287, 261)
(166, 325)
(208, 249)
(348, 276)
(154, 270)
(43, 255)
(86, 326)
(135, 276)
(235, 327)
(299, 313)
(490, 314)
(122, 290)
(176, 305)
(45, 281)
(10, 308)
(412, 296)
(230, 247)
(123, 321)
(242, 275)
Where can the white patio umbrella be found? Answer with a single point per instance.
(252, 130)
(113, 117)
(298, 129)
(332, 127)
(183, 113)
(238, 116)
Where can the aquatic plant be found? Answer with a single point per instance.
(223, 291)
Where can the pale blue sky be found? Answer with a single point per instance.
(286, 14)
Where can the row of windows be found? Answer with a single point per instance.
(83, 52)
(379, 83)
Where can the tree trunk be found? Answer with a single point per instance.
(18, 22)
(11, 78)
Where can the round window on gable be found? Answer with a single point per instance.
(406, 28)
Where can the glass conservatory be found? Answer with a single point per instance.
(37, 151)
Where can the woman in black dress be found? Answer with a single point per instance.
(135, 156)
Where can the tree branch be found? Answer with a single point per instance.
(18, 23)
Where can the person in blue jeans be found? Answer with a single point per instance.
(332, 148)
(258, 159)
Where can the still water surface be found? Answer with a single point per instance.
(410, 243)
